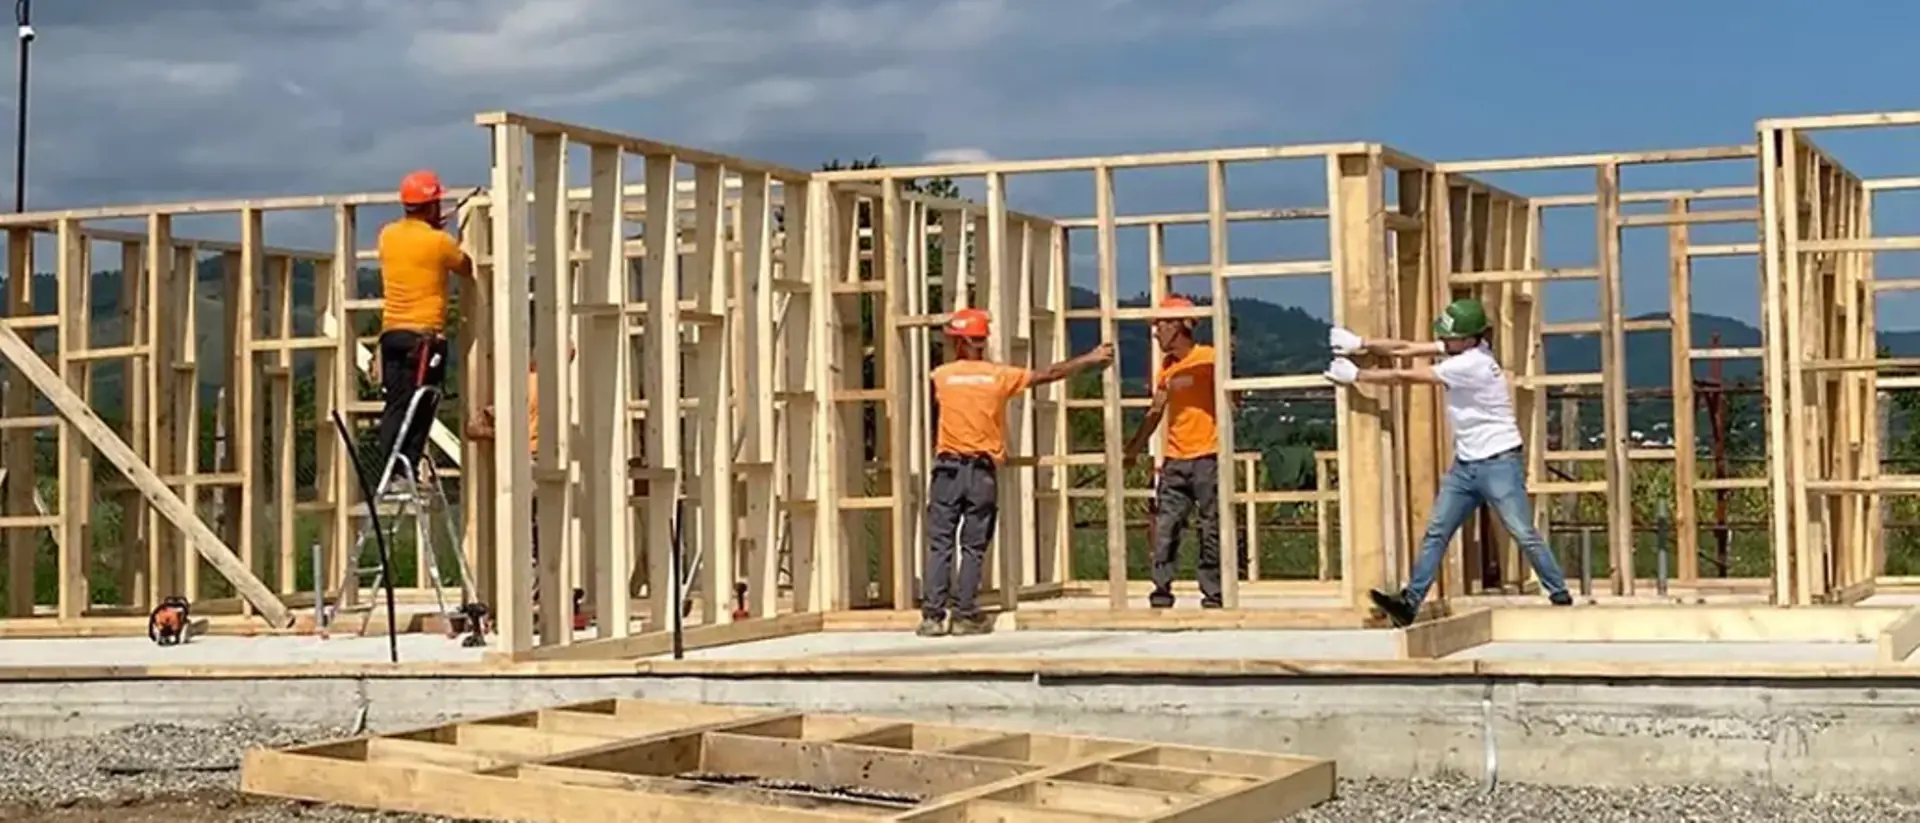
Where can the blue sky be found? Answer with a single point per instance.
(142, 101)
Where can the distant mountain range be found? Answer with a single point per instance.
(1272, 339)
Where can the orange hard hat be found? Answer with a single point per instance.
(1174, 301)
(420, 188)
(969, 323)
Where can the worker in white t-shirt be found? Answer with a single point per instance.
(1487, 449)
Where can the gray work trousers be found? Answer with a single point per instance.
(963, 502)
(1187, 487)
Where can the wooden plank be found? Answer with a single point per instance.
(696, 637)
(1898, 640)
(604, 389)
(1437, 639)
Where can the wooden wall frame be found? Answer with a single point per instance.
(1500, 262)
(792, 301)
(1827, 484)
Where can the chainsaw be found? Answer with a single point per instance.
(168, 624)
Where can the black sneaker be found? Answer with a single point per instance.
(1561, 599)
(1396, 607)
(977, 624)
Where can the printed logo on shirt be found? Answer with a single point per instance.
(971, 379)
(1180, 381)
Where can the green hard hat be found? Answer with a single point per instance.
(1461, 318)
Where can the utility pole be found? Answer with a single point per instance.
(23, 15)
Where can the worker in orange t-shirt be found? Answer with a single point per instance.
(971, 395)
(482, 428)
(416, 257)
(1189, 476)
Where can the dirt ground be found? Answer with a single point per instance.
(205, 806)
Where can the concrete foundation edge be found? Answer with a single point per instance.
(1790, 734)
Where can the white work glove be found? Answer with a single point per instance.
(1344, 342)
(1342, 371)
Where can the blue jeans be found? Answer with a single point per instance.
(1500, 481)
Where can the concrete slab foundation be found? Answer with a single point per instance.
(1803, 735)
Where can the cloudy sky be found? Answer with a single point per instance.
(143, 100)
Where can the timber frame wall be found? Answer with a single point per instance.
(1496, 256)
(792, 320)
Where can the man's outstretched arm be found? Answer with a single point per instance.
(1344, 372)
(1099, 356)
(1345, 343)
(1416, 375)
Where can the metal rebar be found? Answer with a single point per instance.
(23, 15)
(319, 591)
(1586, 562)
(1660, 547)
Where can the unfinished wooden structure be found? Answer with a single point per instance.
(1021, 270)
(1822, 275)
(634, 759)
(791, 318)
(1496, 254)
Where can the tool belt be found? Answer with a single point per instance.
(973, 459)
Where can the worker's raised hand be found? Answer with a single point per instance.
(1102, 354)
(1344, 342)
(481, 426)
(1342, 371)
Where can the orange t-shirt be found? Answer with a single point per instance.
(1192, 427)
(415, 260)
(973, 398)
(533, 412)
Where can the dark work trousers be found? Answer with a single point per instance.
(1187, 487)
(963, 503)
(408, 361)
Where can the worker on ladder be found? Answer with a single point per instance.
(1187, 483)
(417, 255)
(971, 394)
(1488, 465)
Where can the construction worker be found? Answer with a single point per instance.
(963, 493)
(481, 427)
(1188, 481)
(416, 257)
(1487, 449)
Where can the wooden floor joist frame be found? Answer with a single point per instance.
(626, 759)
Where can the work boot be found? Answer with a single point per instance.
(1561, 599)
(1396, 606)
(976, 624)
(932, 627)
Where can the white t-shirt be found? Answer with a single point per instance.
(1479, 404)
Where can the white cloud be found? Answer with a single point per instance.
(960, 155)
(143, 100)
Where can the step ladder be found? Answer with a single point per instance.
(408, 494)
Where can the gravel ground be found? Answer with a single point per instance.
(76, 781)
